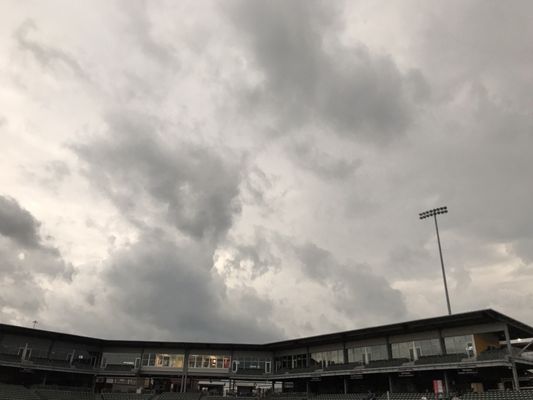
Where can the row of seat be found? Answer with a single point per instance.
(447, 358)
(342, 396)
(52, 394)
(500, 395)
(126, 396)
(16, 392)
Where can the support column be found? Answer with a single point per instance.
(389, 349)
(307, 388)
(516, 383)
(183, 388)
(52, 342)
(446, 383)
(442, 343)
(344, 352)
(390, 384)
(345, 386)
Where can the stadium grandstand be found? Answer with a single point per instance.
(475, 355)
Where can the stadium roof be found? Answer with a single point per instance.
(517, 329)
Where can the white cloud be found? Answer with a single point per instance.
(224, 144)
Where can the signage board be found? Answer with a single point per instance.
(467, 371)
(438, 387)
(405, 374)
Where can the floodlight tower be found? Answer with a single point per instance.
(433, 213)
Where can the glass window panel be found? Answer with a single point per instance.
(428, 347)
(458, 344)
(377, 352)
(402, 350)
(145, 359)
(356, 354)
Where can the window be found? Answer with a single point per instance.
(402, 350)
(415, 349)
(365, 354)
(267, 367)
(291, 362)
(428, 347)
(192, 361)
(209, 361)
(327, 358)
(119, 358)
(459, 344)
(161, 360)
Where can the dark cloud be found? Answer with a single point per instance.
(195, 187)
(47, 56)
(141, 28)
(356, 290)
(481, 174)
(166, 279)
(57, 170)
(452, 81)
(25, 260)
(309, 77)
(308, 156)
(479, 41)
(172, 287)
(18, 224)
(255, 256)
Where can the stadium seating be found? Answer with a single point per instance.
(16, 392)
(387, 363)
(338, 367)
(118, 367)
(126, 396)
(342, 396)
(178, 396)
(9, 357)
(250, 371)
(228, 397)
(496, 354)
(290, 396)
(407, 396)
(50, 394)
(297, 370)
(499, 395)
(448, 358)
(60, 363)
(303, 397)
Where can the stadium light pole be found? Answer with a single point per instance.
(433, 213)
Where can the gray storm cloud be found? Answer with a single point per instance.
(24, 259)
(309, 77)
(253, 170)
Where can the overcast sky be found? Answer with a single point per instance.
(253, 170)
